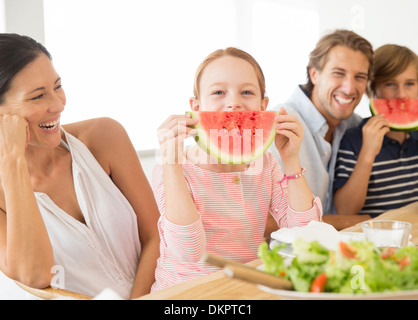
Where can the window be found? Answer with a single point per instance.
(134, 60)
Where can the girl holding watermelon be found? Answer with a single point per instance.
(207, 206)
(377, 168)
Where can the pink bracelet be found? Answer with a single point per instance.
(295, 176)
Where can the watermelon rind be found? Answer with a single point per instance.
(202, 139)
(408, 127)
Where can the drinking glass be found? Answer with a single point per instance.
(387, 234)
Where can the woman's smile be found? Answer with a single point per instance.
(50, 125)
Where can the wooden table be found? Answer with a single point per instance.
(215, 286)
(218, 286)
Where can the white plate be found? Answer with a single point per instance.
(296, 295)
(358, 236)
(288, 251)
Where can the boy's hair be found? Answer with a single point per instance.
(319, 56)
(233, 52)
(389, 61)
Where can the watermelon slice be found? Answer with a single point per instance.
(235, 137)
(401, 113)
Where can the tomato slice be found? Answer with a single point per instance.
(405, 261)
(387, 252)
(348, 250)
(318, 285)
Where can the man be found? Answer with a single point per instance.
(337, 76)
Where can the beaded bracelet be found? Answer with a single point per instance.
(295, 176)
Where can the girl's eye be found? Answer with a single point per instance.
(218, 92)
(58, 87)
(247, 92)
(411, 84)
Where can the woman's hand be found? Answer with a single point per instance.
(289, 136)
(14, 136)
(171, 135)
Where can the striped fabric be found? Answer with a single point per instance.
(233, 210)
(394, 178)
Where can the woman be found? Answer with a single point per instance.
(377, 168)
(76, 210)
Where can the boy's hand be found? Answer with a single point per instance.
(373, 133)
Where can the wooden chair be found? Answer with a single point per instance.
(50, 293)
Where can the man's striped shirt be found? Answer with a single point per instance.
(394, 178)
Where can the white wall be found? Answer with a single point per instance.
(25, 17)
(379, 21)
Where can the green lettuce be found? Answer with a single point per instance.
(367, 269)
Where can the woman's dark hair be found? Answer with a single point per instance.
(16, 51)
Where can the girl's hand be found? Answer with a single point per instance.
(171, 135)
(373, 133)
(289, 136)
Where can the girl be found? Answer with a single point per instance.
(222, 208)
(376, 168)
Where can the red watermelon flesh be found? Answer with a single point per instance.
(235, 137)
(401, 113)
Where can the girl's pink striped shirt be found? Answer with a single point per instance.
(233, 209)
